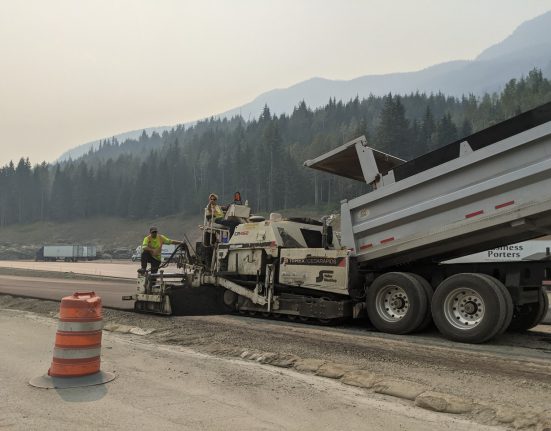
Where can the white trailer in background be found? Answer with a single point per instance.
(67, 253)
(489, 190)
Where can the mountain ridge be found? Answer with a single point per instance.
(527, 47)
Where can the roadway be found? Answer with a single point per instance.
(120, 269)
(56, 288)
(120, 281)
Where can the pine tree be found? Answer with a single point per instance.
(466, 128)
(427, 131)
(393, 131)
(446, 131)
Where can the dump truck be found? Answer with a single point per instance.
(488, 190)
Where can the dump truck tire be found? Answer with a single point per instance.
(530, 315)
(429, 292)
(508, 302)
(396, 303)
(469, 308)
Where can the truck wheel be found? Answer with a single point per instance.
(508, 302)
(468, 308)
(396, 303)
(529, 315)
(429, 292)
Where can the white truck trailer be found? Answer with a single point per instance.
(67, 253)
(489, 190)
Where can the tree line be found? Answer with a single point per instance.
(174, 172)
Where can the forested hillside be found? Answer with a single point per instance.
(174, 172)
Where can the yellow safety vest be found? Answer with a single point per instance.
(156, 243)
(215, 212)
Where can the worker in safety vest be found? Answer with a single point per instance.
(213, 209)
(216, 213)
(152, 247)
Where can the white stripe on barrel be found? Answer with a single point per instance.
(61, 353)
(80, 326)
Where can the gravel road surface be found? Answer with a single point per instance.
(174, 388)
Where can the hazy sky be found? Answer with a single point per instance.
(75, 71)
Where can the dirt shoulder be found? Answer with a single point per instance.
(175, 388)
(509, 380)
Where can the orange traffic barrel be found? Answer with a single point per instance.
(78, 340)
(77, 350)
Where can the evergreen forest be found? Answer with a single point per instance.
(173, 173)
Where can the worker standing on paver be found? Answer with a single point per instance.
(152, 247)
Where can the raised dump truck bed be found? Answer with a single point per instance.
(490, 189)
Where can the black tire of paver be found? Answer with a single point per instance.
(495, 308)
(429, 292)
(545, 307)
(508, 303)
(229, 301)
(417, 302)
(526, 321)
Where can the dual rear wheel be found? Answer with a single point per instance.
(468, 307)
(471, 308)
(399, 303)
